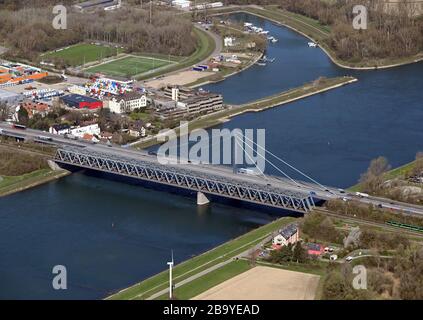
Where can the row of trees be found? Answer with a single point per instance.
(388, 35)
(290, 253)
(29, 31)
(375, 180)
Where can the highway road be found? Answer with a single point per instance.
(299, 188)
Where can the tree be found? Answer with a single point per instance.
(373, 178)
(23, 116)
(299, 254)
(4, 111)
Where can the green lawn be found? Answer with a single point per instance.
(205, 47)
(82, 53)
(129, 66)
(210, 280)
(11, 184)
(188, 268)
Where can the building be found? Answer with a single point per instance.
(81, 102)
(10, 98)
(127, 102)
(36, 108)
(16, 73)
(314, 249)
(289, 235)
(181, 4)
(59, 129)
(99, 4)
(176, 102)
(229, 41)
(91, 130)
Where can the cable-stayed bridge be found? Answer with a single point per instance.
(208, 181)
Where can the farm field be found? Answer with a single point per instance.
(129, 66)
(82, 53)
(264, 283)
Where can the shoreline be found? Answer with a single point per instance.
(326, 50)
(209, 120)
(246, 67)
(21, 185)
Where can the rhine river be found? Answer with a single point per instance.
(110, 235)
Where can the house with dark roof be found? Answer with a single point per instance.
(288, 235)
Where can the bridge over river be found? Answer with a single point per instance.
(207, 181)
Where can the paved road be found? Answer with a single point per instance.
(267, 182)
(244, 254)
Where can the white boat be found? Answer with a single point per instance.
(312, 45)
(248, 24)
(274, 40)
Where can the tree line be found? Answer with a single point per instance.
(389, 35)
(28, 31)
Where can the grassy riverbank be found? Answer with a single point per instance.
(225, 252)
(398, 172)
(14, 184)
(318, 33)
(24, 166)
(309, 89)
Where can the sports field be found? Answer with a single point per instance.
(82, 53)
(130, 66)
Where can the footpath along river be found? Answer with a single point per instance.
(110, 235)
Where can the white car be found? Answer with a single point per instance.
(349, 259)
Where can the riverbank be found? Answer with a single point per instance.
(316, 87)
(25, 166)
(317, 33)
(220, 256)
(13, 184)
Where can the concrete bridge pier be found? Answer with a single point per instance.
(202, 199)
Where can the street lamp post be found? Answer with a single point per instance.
(170, 264)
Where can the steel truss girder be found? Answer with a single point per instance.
(162, 175)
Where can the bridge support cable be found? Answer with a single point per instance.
(273, 165)
(289, 165)
(251, 159)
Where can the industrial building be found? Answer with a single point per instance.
(10, 98)
(15, 73)
(81, 102)
(176, 102)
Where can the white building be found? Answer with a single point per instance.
(182, 4)
(60, 129)
(229, 41)
(127, 102)
(289, 234)
(79, 132)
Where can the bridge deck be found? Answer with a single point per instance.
(209, 179)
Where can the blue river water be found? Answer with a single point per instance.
(110, 235)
